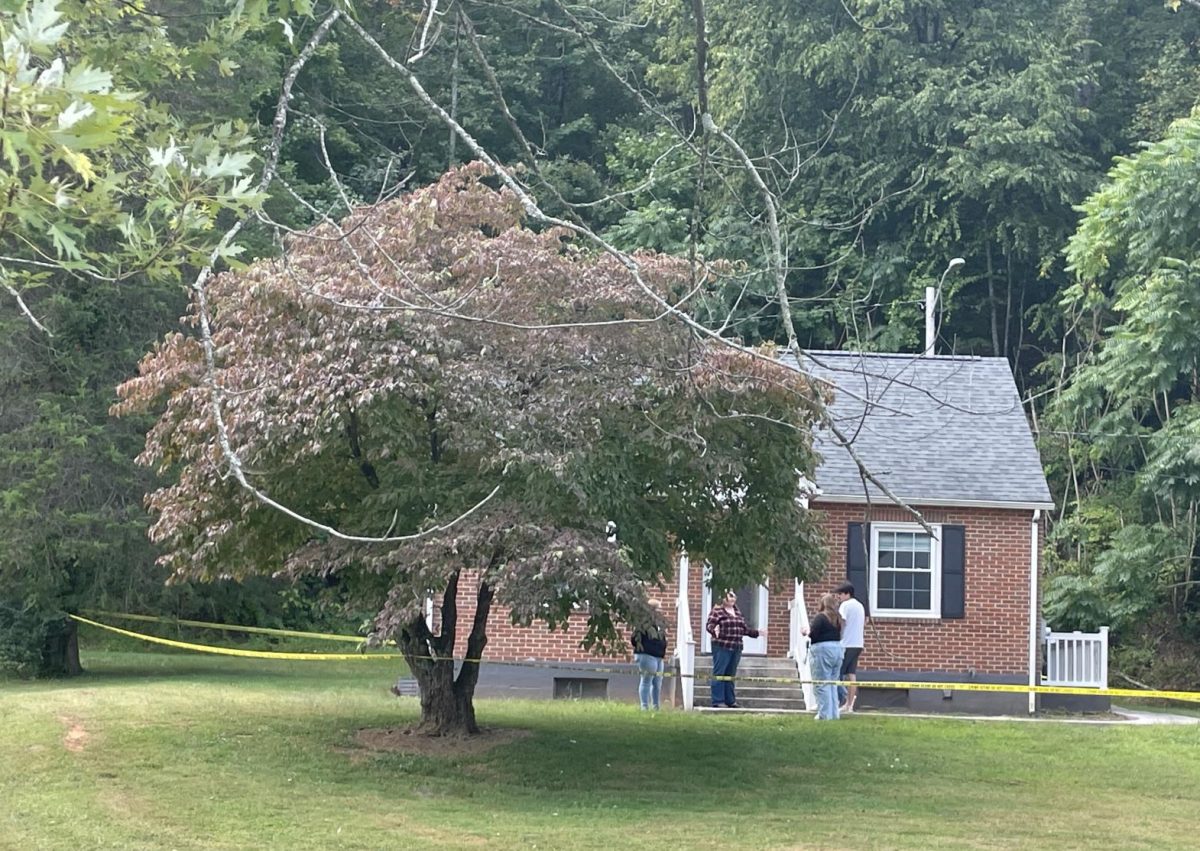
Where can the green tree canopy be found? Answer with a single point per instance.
(1129, 419)
(389, 373)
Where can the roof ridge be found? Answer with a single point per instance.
(915, 356)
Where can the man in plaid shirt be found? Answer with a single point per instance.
(727, 628)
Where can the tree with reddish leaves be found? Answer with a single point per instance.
(432, 387)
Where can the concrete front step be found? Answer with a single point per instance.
(782, 678)
(790, 709)
(774, 663)
(785, 696)
(756, 690)
(781, 707)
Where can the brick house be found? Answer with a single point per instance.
(949, 437)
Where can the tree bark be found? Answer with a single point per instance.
(60, 651)
(447, 701)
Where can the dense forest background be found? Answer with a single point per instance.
(1052, 146)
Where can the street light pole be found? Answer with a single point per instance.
(932, 297)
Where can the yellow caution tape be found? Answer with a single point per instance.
(260, 630)
(1012, 688)
(231, 651)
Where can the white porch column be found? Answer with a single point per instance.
(685, 643)
(1033, 608)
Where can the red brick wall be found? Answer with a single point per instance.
(991, 639)
(510, 643)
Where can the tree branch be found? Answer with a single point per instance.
(215, 391)
(24, 308)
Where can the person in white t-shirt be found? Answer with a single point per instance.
(855, 616)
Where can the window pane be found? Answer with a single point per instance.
(903, 571)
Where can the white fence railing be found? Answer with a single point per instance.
(685, 642)
(1078, 659)
(798, 644)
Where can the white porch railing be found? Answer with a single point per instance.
(798, 644)
(1078, 659)
(685, 642)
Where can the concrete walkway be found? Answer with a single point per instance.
(1118, 716)
(1142, 716)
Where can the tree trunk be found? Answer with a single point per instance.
(60, 650)
(447, 701)
(442, 713)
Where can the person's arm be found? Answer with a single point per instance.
(714, 619)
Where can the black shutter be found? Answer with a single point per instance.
(954, 584)
(857, 562)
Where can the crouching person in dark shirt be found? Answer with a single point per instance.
(649, 649)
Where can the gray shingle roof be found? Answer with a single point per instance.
(943, 429)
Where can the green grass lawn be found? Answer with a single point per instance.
(176, 751)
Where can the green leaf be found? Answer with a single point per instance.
(85, 79)
(64, 245)
(39, 27)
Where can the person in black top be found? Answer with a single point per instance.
(825, 654)
(649, 650)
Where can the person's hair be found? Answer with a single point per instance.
(844, 588)
(829, 608)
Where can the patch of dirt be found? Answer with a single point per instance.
(76, 738)
(406, 740)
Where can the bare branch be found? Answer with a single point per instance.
(534, 211)
(24, 308)
(426, 44)
(526, 148)
(215, 391)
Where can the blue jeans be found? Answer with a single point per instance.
(650, 686)
(826, 658)
(725, 664)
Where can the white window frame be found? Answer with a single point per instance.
(935, 570)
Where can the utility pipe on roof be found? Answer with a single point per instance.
(1033, 608)
(932, 297)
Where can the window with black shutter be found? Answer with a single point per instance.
(954, 584)
(907, 572)
(858, 562)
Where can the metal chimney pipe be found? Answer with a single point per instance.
(932, 297)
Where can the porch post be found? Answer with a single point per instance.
(685, 644)
(1033, 608)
